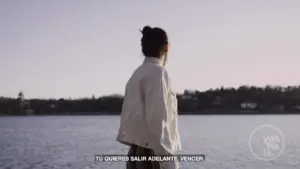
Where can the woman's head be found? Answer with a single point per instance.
(154, 42)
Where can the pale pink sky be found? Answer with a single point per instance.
(76, 48)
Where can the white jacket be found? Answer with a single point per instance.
(149, 113)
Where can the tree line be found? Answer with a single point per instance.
(268, 99)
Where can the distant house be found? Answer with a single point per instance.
(249, 105)
(25, 104)
(186, 97)
(189, 102)
(280, 107)
(217, 101)
(29, 112)
(52, 106)
(190, 99)
(297, 107)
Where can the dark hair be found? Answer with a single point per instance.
(153, 41)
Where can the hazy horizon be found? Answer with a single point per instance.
(120, 94)
(74, 49)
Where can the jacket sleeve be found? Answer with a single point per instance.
(156, 94)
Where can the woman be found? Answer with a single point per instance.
(149, 112)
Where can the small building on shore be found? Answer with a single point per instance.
(217, 102)
(29, 112)
(249, 105)
(280, 107)
(297, 108)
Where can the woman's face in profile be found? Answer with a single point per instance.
(166, 51)
(166, 48)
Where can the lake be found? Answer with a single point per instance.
(70, 142)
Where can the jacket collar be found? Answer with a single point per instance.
(153, 60)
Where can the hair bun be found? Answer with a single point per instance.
(147, 30)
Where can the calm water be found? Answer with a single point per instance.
(69, 142)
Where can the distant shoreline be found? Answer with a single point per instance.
(180, 114)
(244, 100)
